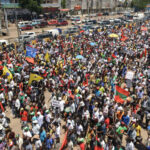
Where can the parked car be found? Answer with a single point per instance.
(76, 22)
(31, 34)
(76, 18)
(40, 37)
(26, 27)
(36, 22)
(42, 24)
(2, 42)
(105, 14)
(52, 22)
(24, 38)
(24, 23)
(62, 23)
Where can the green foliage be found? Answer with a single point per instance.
(32, 5)
(63, 3)
(140, 4)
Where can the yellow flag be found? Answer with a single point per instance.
(7, 73)
(34, 77)
(47, 57)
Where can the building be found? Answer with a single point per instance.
(51, 5)
(92, 5)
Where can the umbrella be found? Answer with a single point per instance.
(92, 44)
(79, 57)
(113, 35)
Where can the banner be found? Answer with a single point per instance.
(129, 75)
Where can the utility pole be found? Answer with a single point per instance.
(88, 9)
(6, 21)
(1, 19)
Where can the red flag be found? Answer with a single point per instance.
(64, 141)
(1, 106)
(145, 52)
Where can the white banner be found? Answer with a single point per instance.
(129, 75)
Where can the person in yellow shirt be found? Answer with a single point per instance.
(137, 128)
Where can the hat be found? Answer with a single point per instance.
(22, 109)
(38, 113)
(32, 113)
(26, 128)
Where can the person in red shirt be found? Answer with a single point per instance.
(24, 116)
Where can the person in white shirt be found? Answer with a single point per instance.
(40, 119)
(10, 96)
(62, 102)
(129, 145)
(26, 132)
(35, 128)
(79, 129)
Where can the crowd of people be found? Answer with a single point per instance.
(98, 89)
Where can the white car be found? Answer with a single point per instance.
(31, 34)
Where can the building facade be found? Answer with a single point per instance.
(51, 5)
(93, 5)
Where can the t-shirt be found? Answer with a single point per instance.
(121, 130)
(24, 116)
(138, 129)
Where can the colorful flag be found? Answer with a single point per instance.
(98, 145)
(30, 60)
(30, 51)
(64, 141)
(7, 73)
(34, 77)
(120, 94)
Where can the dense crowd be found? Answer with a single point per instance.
(82, 75)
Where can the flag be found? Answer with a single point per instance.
(120, 94)
(145, 52)
(64, 141)
(47, 57)
(34, 77)
(30, 51)
(1, 106)
(7, 73)
(30, 60)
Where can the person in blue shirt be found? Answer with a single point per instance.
(126, 119)
(49, 142)
(43, 135)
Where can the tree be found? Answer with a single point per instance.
(32, 5)
(63, 3)
(139, 4)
